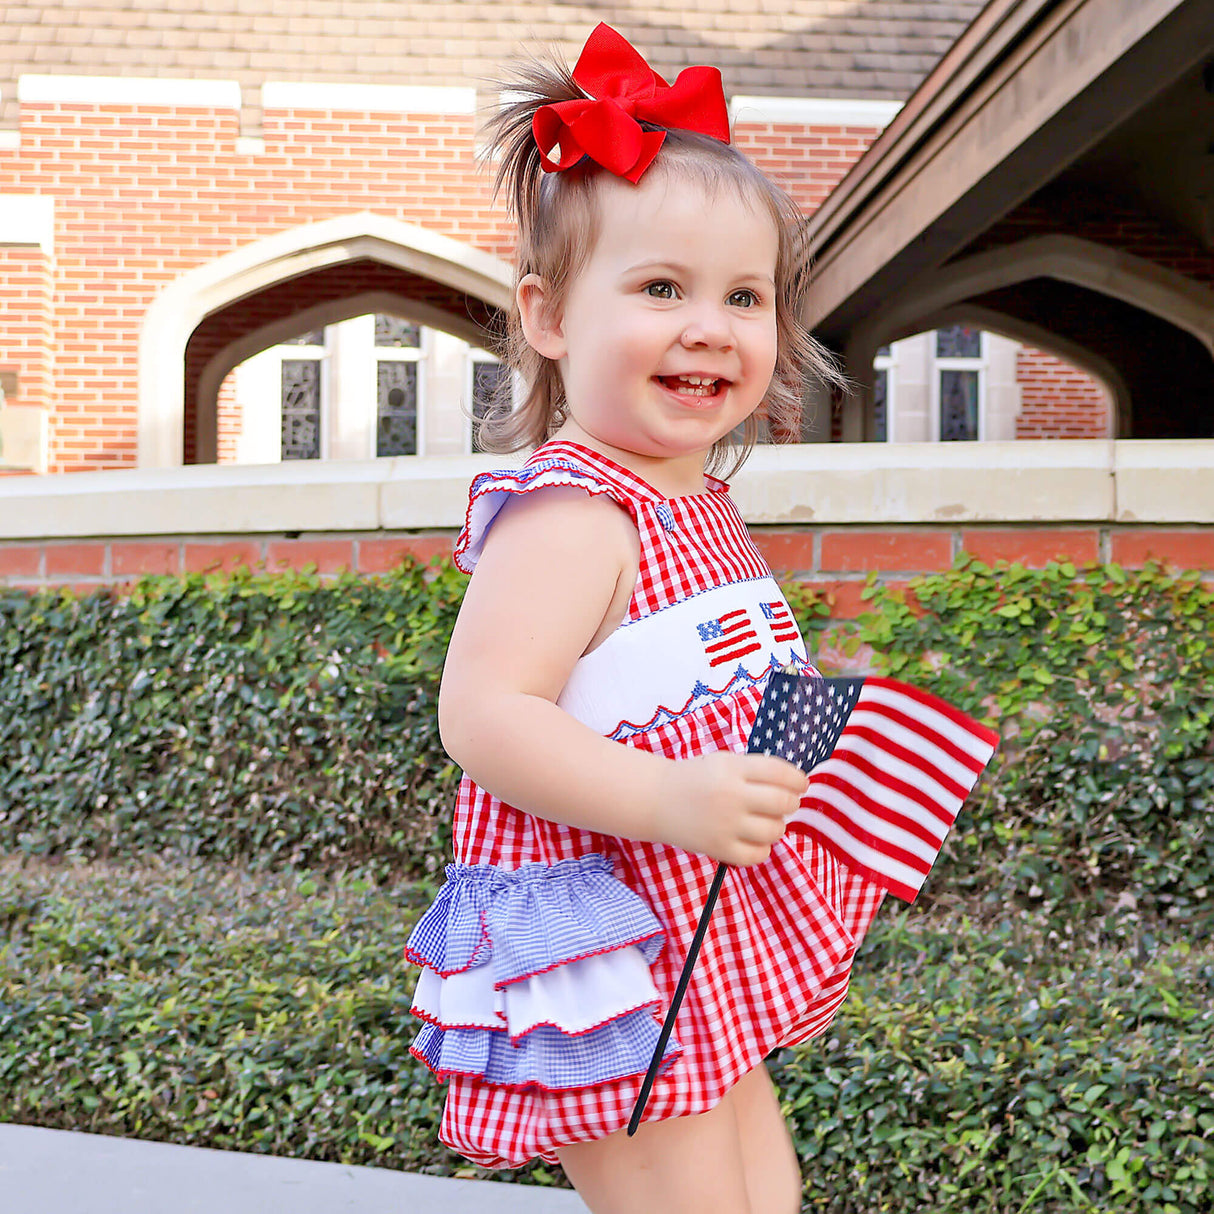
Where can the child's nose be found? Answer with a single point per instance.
(708, 327)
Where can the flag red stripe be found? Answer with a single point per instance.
(876, 842)
(909, 757)
(907, 893)
(943, 707)
(949, 747)
(894, 818)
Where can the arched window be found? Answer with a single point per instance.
(373, 386)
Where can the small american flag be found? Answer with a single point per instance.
(783, 626)
(889, 767)
(728, 637)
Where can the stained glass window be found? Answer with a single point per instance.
(959, 406)
(880, 397)
(396, 418)
(958, 341)
(301, 408)
(394, 331)
(486, 376)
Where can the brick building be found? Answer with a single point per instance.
(259, 240)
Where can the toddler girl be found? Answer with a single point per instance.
(606, 667)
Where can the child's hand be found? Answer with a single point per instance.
(729, 806)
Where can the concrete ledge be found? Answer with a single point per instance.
(929, 483)
(1164, 482)
(838, 484)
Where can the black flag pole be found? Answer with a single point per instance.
(755, 744)
(638, 1110)
(768, 735)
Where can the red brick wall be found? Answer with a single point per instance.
(1058, 400)
(144, 193)
(836, 559)
(1104, 220)
(808, 161)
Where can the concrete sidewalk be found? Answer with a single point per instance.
(57, 1172)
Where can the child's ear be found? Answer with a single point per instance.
(540, 320)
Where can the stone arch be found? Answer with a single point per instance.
(458, 274)
(1164, 293)
(1100, 369)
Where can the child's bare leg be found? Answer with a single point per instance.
(773, 1174)
(735, 1159)
(686, 1165)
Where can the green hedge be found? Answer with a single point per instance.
(289, 720)
(275, 719)
(976, 1068)
(1101, 683)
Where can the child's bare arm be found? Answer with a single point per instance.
(543, 588)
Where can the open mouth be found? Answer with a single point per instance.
(693, 386)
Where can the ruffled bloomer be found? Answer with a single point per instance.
(538, 976)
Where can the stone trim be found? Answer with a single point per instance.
(941, 296)
(180, 307)
(1145, 284)
(129, 90)
(28, 219)
(813, 111)
(380, 98)
(913, 484)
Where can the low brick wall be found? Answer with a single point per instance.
(836, 559)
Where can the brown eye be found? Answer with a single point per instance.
(743, 299)
(660, 289)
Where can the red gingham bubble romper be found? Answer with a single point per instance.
(682, 675)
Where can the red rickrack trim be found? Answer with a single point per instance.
(418, 960)
(515, 1038)
(427, 1018)
(596, 952)
(445, 1073)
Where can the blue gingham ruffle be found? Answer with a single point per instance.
(531, 919)
(560, 936)
(546, 1058)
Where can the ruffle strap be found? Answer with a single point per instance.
(491, 490)
(538, 976)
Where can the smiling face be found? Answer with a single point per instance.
(666, 339)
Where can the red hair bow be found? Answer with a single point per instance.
(624, 92)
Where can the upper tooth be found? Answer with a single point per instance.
(695, 379)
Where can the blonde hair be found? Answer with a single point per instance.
(558, 224)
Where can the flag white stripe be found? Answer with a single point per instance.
(917, 743)
(861, 852)
(899, 769)
(887, 797)
(973, 745)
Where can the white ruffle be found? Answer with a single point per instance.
(574, 998)
(465, 1000)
